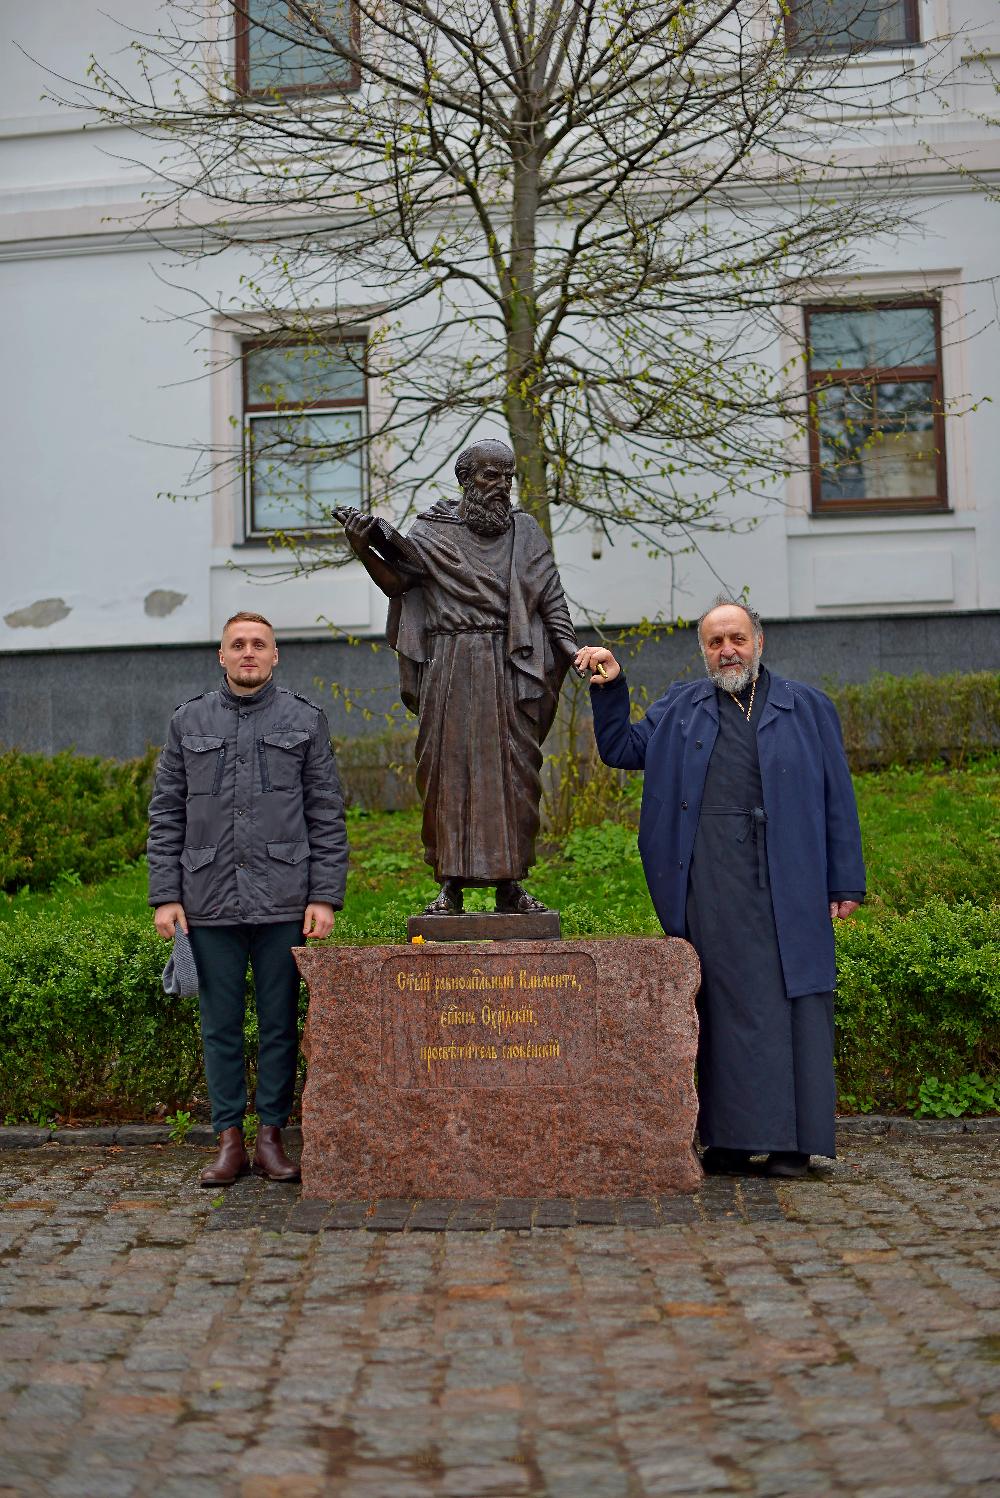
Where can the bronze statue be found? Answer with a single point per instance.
(479, 622)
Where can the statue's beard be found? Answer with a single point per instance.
(487, 517)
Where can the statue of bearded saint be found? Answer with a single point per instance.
(479, 623)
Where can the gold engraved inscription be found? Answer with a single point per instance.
(456, 1023)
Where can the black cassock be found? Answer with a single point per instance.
(765, 1062)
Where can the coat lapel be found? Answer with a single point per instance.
(704, 695)
(779, 699)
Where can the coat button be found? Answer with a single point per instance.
(684, 806)
(697, 743)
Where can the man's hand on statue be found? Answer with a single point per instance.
(599, 662)
(318, 920)
(842, 910)
(166, 918)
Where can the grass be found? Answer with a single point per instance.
(927, 833)
(931, 833)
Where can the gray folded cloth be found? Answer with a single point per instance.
(180, 976)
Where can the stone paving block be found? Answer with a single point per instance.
(514, 1213)
(471, 1216)
(346, 1215)
(553, 1213)
(677, 1209)
(307, 1216)
(16, 1138)
(147, 1134)
(431, 1216)
(389, 1216)
(596, 1212)
(85, 1138)
(638, 1212)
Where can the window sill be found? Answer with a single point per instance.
(881, 521)
(879, 512)
(271, 543)
(318, 94)
(859, 56)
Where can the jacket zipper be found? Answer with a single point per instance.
(265, 779)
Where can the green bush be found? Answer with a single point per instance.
(69, 817)
(378, 769)
(970, 1094)
(904, 720)
(85, 1026)
(918, 996)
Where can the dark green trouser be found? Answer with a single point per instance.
(221, 954)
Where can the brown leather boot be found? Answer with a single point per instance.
(231, 1162)
(269, 1158)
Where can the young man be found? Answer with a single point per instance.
(750, 844)
(248, 855)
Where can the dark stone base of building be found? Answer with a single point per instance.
(116, 702)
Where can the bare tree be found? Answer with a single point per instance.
(576, 217)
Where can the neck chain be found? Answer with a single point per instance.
(746, 711)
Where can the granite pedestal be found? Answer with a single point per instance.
(500, 1069)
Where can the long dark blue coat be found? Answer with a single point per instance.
(813, 835)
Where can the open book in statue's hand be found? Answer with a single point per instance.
(370, 533)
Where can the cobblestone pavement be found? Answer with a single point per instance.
(839, 1335)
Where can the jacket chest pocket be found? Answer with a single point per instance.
(204, 762)
(281, 755)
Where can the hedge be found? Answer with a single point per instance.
(915, 720)
(70, 817)
(84, 1023)
(85, 1026)
(918, 996)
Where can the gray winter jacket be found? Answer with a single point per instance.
(246, 824)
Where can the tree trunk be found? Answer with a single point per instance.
(524, 387)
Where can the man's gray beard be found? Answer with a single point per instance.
(736, 681)
(489, 518)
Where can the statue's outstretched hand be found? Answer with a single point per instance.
(359, 528)
(599, 662)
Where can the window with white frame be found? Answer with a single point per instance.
(305, 423)
(876, 412)
(279, 54)
(850, 25)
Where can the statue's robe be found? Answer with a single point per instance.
(484, 639)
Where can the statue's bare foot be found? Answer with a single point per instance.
(513, 899)
(450, 901)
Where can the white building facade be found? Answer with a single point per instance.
(107, 402)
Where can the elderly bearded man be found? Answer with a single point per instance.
(751, 846)
(479, 622)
